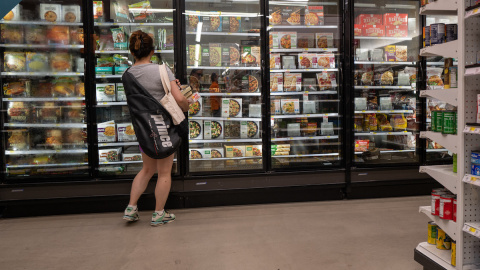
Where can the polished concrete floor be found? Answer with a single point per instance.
(357, 234)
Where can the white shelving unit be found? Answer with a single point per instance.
(448, 141)
(440, 7)
(448, 95)
(441, 257)
(448, 50)
(448, 226)
(444, 175)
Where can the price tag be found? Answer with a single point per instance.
(305, 96)
(473, 230)
(58, 151)
(325, 119)
(473, 179)
(229, 94)
(328, 137)
(475, 11)
(472, 129)
(228, 118)
(308, 115)
(363, 111)
(102, 51)
(9, 99)
(142, 23)
(306, 49)
(229, 140)
(272, 121)
(57, 125)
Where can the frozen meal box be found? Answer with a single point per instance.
(217, 153)
(105, 92)
(396, 30)
(314, 15)
(195, 108)
(234, 55)
(195, 129)
(125, 132)
(51, 12)
(194, 57)
(109, 155)
(307, 60)
(326, 80)
(71, 13)
(200, 153)
(251, 55)
(292, 82)
(401, 53)
(234, 151)
(288, 62)
(255, 110)
(212, 23)
(275, 61)
(192, 22)
(293, 130)
(14, 61)
(370, 19)
(212, 130)
(106, 132)
(290, 106)
(377, 30)
(309, 107)
(121, 92)
(326, 60)
(287, 40)
(276, 82)
(37, 62)
(305, 40)
(275, 107)
(275, 17)
(98, 11)
(291, 15)
(358, 30)
(132, 157)
(395, 19)
(249, 129)
(390, 53)
(324, 40)
(231, 107)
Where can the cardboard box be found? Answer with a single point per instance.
(275, 61)
(251, 55)
(194, 55)
(215, 54)
(305, 40)
(212, 130)
(288, 62)
(291, 15)
(290, 106)
(196, 129)
(204, 55)
(106, 132)
(250, 129)
(196, 153)
(370, 19)
(212, 23)
(314, 15)
(50, 12)
(231, 107)
(396, 30)
(358, 30)
(276, 82)
(377, 30)
(217, 153)
(326, 60)
(292, 82)
(226, 54)
(274, 40)
(121, 96)
(255, 110)
(293, 130)
(275, 15)
(234, 54)
(324, 40)
(327, 80)
(287, 40)
(235, 24)
(275, 107)
(71, 13)
(105, 92)
(309, 107)
(125, 132)
(196, 108)
(395, 19)
(132, 157)
(390, 53)
(109, 155)
(234, 151)
(401, 53)
(307, 61)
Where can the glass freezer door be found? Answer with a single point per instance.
(118, 151)
(305, 83)
(223, 64)
(43, 99)
(386, 46)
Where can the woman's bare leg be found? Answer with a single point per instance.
(140, 181)
(164, 182)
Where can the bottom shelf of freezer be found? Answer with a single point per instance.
(214, 157)
(46, 163)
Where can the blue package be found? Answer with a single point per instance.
(476, 170)
(475, 156)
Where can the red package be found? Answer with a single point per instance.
(374, 30)
(395, 19)
(396, 30)
(358, 28)
(370, 19)
(362, 145)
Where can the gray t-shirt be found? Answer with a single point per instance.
(149, 77)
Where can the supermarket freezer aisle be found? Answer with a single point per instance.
(357, 234)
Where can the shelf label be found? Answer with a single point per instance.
(305, 96)
(473, 179)
(306, 49)
(473, 230)
(272, 121)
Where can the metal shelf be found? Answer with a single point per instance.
(232, 158)
(40, 23)
(391, 151)
(472, 13)
(26, 99)
(449, 141)
(383, 133)
(448, 95)
(440, 7)
(230, 94)
(447, 50)
(471, 179)
(108, 76)
(472, 71)
(384, 63)
(443, 174)
(224, 118)
(472, 229)
(117, 103)
(436, 150)
(305, 138)
(386, 111)
(225, 34)
(303, 26)
(226, 141)
(384, 87)
(301, 50)
(128, 52)
(441, 257)
(308, 155)
(471, 130)
(305, 115)
(131, 24)
(327, 92)
(43, 74)
(117, 144)
(384, 38)
(46, 152)
(303, 70)
(119, 162)
(41, 46)
(56, 125)
(448, 226)
(47, 165)
(217, 68)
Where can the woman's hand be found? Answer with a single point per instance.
(190, 101)
(178, 83)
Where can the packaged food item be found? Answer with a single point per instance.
(104, 65)
(249, 129)
(109, 155)
(106, 131)
(98, 11)
(358, 123)
(412, 73)
(451, 32)
(399, 122)
(276, 82)
(54, 138)
(131, 157)
(51, 12)
(212, 23)
(275, 17)
(377, 30)
(119, 38)
(194, 57)
(292, 82)
(362, 145)
(121, 96)
(377, 55)
(314, 15)
(150, 30)
(12, 34)
(18, 112)
(231, 107)
(367, 77)
(225, 54)
(76, 35)
(121, 11)
(291, 15)
(324, 40)
(401, 53)
(287, 40)
(58, 34)
(362, 54)
(309, 107)
(290, 106)
(426, 36)
(14, 61)
(195, 108)
(386, 77)
(434, 78)
(42, 88)
(288, 62)
(309, 84)
(403, 78)
(396, 30)
(251, 55)
(390, 53)
(197, 153)
(453, 74)
(215, 54)
(360, 103)
(192, 22)
(61, 62)
(326, 60)
(371, 122)
(369, 19)
(358, 30)
(383, 123)
(275, 62)
(48, 112)
(141, 11)
(196, 129)
(18, 88)
(327, 80)
(37, 62)
(327, 128)
(14, 14)
(293, 130)
(212, 130)
(437, 33)
(125, 132)
(234, 24)
(305, 40)
(105, 91)
(236, 151)
(71, 13)
(17, 140)
(253, 151)
(63, 86)
(255, 110)
(307, 60)
(275, 107)
(165, 39)
(232, 129)
(74, 113)
(250, 82)
(395, 19)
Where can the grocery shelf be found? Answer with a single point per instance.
(40, 23)
(46, 165)
(447, 50)
(443, 174)
(117, 144)
(471, 179)
(439, 63)
(128, 52)
(225, 34)
(472, 228)
(326, 92)
(391, 151)
(448, 95)
(473, 71)
(385, 38)
(230, 94)
(131, 24)
(42, 74)
(216, 68)
(303, 70)
(302, 26)
(46, 152)
(472, 129)
(225, 141)
(117, 103)
(26, 99)
(41, 46)
(305, 115)
(383, 133)
(224, 118)
(441, 257)
(305, 138)
(384, 63)
(448, 226)
(472, 13)
(436, 150)
(108, 76)
(300, 50)
(384, 87)
(308, 155)
(232, 158)
(386, 111)
(55, 125)
(119, 162)
(440, 7)
(282, 3)
(449, 141)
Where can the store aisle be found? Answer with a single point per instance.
(357, 235)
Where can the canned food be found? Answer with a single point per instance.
(475, 170)
(454, 163)
(436, 193)
(454, 253)
(451, 32)
(444, 242)
(446, 206)
(454, 218)
(475, 157)
(439, 122)
(432, 233)
(437, 33)
(449, 122)
(427, 36)
(433, 122)
(453, 71)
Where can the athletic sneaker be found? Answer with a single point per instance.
(159, 220)
(131, 214)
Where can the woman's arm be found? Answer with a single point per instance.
(179, 98)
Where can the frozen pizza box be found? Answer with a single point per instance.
(275, 61)
(195, 129)
(401, 53)
(194, 57)
(395, 19)
(292, 82)
(324, 40)
(291, 15)
(234, 54)
(50, 12)
(370, 19)
(192, 22)
(105, 92)
(326, 80)
(287, 40)
(275, 107)
(109, 155)
(314, 15)
(307, 60)
(205, 55)
(326, 60)
(125, 132)
(212, 130)
(106, 131)
(250, 129)
(390, 53)
(71, 13)
(121, 96)
(251, 55)
(290, 106)
(396, 30)
(226, 54)
(132, 157)
(276, 82)
(212, 23)
(231, 107)
(234, 24)
(358, 30)
(377, 30)
(305, 40)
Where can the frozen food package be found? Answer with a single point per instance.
(192, 22)
(131, 157)
(374, 30)
(105, 41)
(395, 19)
(326, 80)
(275, 62)
(225, 54)
(232, 129)
(290, 106)
(383, 123)
(195, 55)
(387, 77)
(76, 35)
(275, 17)
(367, 77)
(360, 104)
(293, 130)
(358, 123)
(121, 92)
(109, 155)
(377, 55)
(71, 13)
(309, 107)
(288, 62)
(14, 15)
(98, 11)
(119, 38)
(196, 129)
(215, 55)
(12, 34)
(250, 55)
(305, 40)
(314, 15)
(63, 87)
(287, 40)
(361, 54)
(197, 153)
(249, 129)
(212, 23)
(141, 11)
(434, 78)
(326, 129)
(412, 73)
(399, 122)
(212, 130)
(17, 88)
(14, 61)
(276, 82)
(369, 19)
(292, 82)
(309, 84)
(255, 110)
(125, 132)
(58, 34)
(275, 107)
(231, 107)
(105, 65)
(54, 138)
(326, 60)
(324, 40)
(105, 92)
(106, 131)
(37, 62)
(358, 30)
(274, 41)
(195, 108)
(234, 55)
(18, 140)
(403, 78)
(150, 30)
(235, 24)
(390, 53)
(50, 12)
(386, 104)
(61, 62)
(307, 60)
(401, 53)
(18, 112)
(48, 112)
(121, 11)
(396, 31)
(291, 15)
(362, 145)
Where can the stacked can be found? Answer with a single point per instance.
(454, 253)
(444, 122)
(475, 160)
(444, 242)
(439, 33)
(443, 204)
(432, 233)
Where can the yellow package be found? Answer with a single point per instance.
(370, 122)
(399, 122)
(383, 123)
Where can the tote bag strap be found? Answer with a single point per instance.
(165, 80)
(168, 101)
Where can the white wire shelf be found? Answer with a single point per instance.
(128, 52)
(221, 68)
(41, 46)
(383, 133)
(224, 118)
(225, 141)
(230, 94)
(131, 24)
(447, 50)
(448, 226)
(47, 165)
(384, 63)
(117, 144)
(116, 103)
(441, 257)
(384, 87)
(300, 50)
(226, 34)
(305, 115)
(232, 158)
(46, 152)
(55, 125)
(27, 99)
(332, 137)
(43, 74)
(384, 38)
(440, 7)
(40, 23)
(327, 92)
(308, 155)
(471, 130)
(386, 111)
(391, 151)
(448, 141)
(303, 26)
(448, 95)
(303, 70)
(443, 174)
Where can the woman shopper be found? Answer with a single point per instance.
(147, 74)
